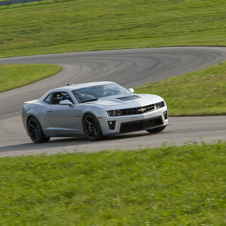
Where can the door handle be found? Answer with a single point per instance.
(50, 110)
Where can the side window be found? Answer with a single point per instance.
(55, 98)
(48, 99)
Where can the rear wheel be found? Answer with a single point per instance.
(35, 131)
(91, 128)
(156, 130)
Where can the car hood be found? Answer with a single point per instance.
(134, 100)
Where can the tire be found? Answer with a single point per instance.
(35, 131)
(91, 128)
(156, 130)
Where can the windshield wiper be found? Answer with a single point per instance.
(89, 100)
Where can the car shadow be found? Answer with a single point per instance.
(66, 142)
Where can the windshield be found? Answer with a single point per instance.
(92, 93)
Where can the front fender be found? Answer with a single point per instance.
(95, 110)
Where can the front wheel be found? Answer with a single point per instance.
(91, 128)
(156, 130)
(35, 131)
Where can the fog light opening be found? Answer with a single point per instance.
(111, 125)
(165, 115)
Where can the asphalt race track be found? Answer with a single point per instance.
(129, 68)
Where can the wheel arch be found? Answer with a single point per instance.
(33, 115)
(99, 134)
(35, 131)
(89, 112)
(30, 117)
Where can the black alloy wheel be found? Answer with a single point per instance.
(156, 130)
(35, 131)
(91, 128)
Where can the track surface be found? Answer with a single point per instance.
(129, 68)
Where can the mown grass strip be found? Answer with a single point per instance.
(198, 93)
(162, 186)
(68, 26)
(14, 76)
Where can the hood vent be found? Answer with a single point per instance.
(133, 97)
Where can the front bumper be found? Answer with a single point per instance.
(131, 123)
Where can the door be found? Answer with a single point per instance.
(63, 119)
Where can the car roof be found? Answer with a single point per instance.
(79, 86)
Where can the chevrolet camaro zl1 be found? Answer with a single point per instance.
(96, 110)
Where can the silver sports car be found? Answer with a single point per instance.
(96, 110)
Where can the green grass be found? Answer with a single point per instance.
(14, 76)
(162, 186)
(197, 93)
(68, 26)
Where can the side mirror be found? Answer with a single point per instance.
(131, 90)
(65, 102)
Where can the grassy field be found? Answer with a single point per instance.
(72, 25)
(197, 93)
(14, 76)
(162, 186)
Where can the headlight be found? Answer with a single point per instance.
(160, 104)
(114, 112)
(111, 113)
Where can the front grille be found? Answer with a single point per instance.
(135, 111)
(141, 124)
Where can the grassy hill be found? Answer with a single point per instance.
(75, 25)
(68, 26)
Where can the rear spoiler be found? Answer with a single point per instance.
(30, 101)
